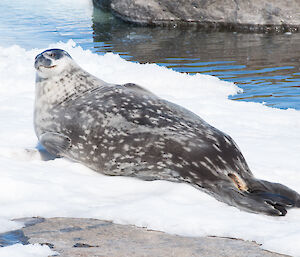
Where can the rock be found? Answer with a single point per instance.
(240, 15)
(72, 237)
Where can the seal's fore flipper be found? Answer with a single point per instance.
(55, 143)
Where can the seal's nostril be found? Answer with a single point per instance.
(36, 63)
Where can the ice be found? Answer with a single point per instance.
(30, 186)
(19, 250)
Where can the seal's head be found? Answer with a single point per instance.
(52, 62)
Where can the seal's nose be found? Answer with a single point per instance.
(41, 60)
(36, 61)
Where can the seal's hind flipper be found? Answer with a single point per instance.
(274, 199)
(275, 195)
(278, 202)
(258, 196)
(55, 143)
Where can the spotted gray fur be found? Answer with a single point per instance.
(126, 130)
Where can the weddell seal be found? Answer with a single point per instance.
(125, 130)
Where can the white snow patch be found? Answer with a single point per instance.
(19, 250)
(269, 139)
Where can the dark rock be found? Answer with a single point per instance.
(83, 245)
(51, 246)
(239, 15)
(71, 229)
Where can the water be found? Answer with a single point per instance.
(18, 236)
(13, 237)
(265, 66)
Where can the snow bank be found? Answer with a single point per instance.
(269, 139)
(19, 250)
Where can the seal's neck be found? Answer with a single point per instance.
(69, 84)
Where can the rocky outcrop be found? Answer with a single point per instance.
(72, 237)
(254, 15)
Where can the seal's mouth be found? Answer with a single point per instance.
(41, 67)
(47, 67)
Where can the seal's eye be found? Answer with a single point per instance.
(52, 54)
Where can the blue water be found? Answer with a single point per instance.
(265, 66)
(13, 237)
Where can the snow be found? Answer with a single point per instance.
(30, 186)
(19, 250)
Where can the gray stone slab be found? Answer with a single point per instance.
(245, 15)
(91, 237)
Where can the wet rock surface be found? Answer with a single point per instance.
(90, 237)
(238, 15)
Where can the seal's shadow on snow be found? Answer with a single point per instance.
(45, 155)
